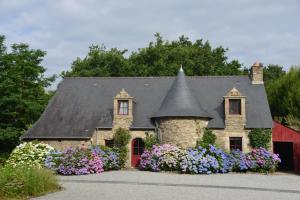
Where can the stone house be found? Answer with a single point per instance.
(87, 110)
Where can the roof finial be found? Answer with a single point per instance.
(181, 69)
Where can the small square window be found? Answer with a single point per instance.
(235, 143)
(123, 107)
(109, 143)
(235, 106)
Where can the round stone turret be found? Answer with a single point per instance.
(180, 118)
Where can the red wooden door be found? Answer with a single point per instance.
(137, 148)
(297, 157)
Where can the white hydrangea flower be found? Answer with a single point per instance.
(28, 153)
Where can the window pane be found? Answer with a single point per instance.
(123, 107)
(136, 151)
(138, 146)
(235, 143)
(234, 106)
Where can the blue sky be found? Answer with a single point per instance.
(268, 31)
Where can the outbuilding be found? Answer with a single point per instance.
(286, 143)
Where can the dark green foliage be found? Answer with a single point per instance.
(150, 141)
(9, 138)
(22, 88)
(121, 139)
(160, 58)
(273, 72)
(260, 138)
(23, 182)
(208, 138)
(100, 62)
(284, 94)
(3, 157)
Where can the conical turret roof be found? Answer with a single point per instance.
(180, 101)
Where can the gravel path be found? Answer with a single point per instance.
(148, 185)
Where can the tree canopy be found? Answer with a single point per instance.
(159, 58)
(284, 93)
(22, 88)
(272, 72)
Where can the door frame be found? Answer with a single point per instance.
(133, 161)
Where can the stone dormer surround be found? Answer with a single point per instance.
(235, 121)
(122, 121)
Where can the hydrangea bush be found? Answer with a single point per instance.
(198, 161)
(258, 160)
(208, 160)
(264, 161)
(241, 162)
(30, 154)
(76, 161)
(161, 157)
(110, 157)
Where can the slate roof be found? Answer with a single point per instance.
(82, 104)
(180, 101)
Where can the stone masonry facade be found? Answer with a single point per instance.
(183, 132)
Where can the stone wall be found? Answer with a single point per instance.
(183, 132)
(123, 121)
(63, 144)
(223, 136)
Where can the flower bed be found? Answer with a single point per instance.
(76, 161)
(209, 160)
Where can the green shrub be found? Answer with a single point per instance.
(29, 153)
(260, 138)
(150, 141)
(208, 138)
(9, 138)
(121, 139)
(25, 181)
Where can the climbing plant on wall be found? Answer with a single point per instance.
(260, 138)
(121, 139)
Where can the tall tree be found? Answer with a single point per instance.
(163, 58)
(22, 88)
(159, 58)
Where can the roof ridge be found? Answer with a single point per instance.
(150, 77)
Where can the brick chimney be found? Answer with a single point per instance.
(257, 73)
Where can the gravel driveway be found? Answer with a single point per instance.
(149, 185)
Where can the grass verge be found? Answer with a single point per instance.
(25, 182)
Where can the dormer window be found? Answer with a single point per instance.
(123, 107)
(235, 106)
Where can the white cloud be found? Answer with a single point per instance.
(252, 29)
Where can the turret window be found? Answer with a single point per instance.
(235, 106)
(123, 107)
